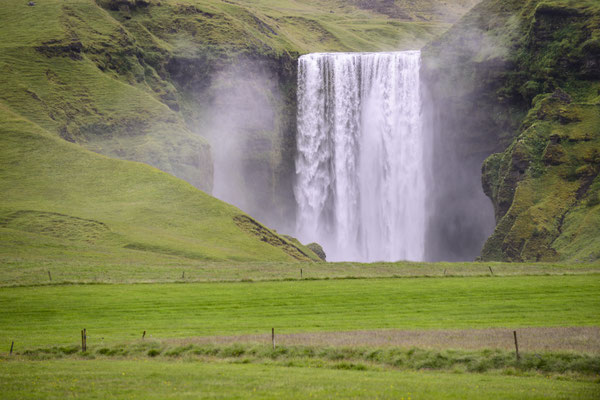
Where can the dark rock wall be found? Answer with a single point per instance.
(466, 121)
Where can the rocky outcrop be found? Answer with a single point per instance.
(318, 250)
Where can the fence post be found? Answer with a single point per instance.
(516, 345)
(273, 337)
(491, 272)
(83, 340)
(11, 347)
(49, 275)
(144, 334)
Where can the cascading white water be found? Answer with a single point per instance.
(360, 186)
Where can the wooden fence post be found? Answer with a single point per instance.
(144, 334)
(491, 272)
(49, 275)
(516, 345)
(273, 337)
(83, 340)
(300, 273)
(11, 347)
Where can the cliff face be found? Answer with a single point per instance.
(519, 90)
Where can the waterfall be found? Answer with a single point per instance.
(360, 187)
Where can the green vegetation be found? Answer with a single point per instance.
(79, 75)
(60, 199)
(184, 380)
(119, 247)
(557, 159)
(53, 315)
(351, 358)
(30, 258)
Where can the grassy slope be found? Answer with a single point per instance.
(290, 25)
(186, 380)
(79, 75)
(112, 314)
(57, 197)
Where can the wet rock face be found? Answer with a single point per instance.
(469, 118)
(528, 96)
(193, 74)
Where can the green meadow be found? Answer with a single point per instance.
(54, 315)
(110, 379)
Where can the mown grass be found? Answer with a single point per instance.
(54, 315)
(184, 380)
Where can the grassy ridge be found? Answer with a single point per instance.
(57, 197)
(185, 380)
(290, 25)
(44, 316)
(79, 75)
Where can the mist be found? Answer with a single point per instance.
(463, 125)
(245, 128)
(460, 215)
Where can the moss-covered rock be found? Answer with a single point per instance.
(318, 250)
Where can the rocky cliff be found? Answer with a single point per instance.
(517, 84)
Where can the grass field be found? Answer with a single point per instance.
(54, 315)
(104, 379)
(435, 337)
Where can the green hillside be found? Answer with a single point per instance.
(61, 200)
(69, 67)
